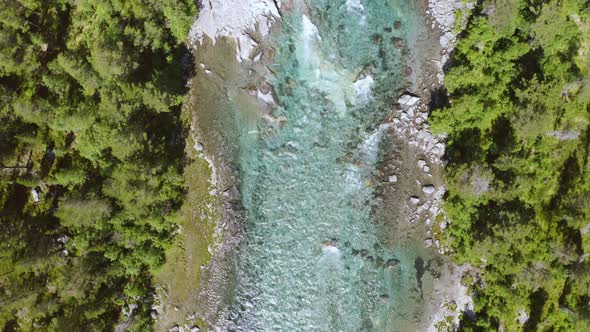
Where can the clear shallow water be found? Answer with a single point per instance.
(312, 258)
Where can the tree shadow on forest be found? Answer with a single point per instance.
(504, 214)
(537, 300)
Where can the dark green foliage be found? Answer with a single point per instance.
(519, 123)
(90, 95)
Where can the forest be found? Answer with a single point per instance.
(517, 125)
(91, 158)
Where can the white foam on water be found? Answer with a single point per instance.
(369, 149)
(309, 40)
(356, 7)
(326, 76)
(352, 179)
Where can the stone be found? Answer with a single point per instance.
(232, 193)
(447, 40)
(397, 42)
(564, 135)
(522, 317)
(408, 71)
(220, 19)
(428, 189)
(434, 210)
(36, 196)
(199, 146)
(426, 169)
(392, 262)
(490, 11)
(428, 242)
(195, 329)
(379, 262)
(363, 89)
(406, 101)
(392, 178)
(421, 163)
(414, 200)
(63, 239)
(265, 97)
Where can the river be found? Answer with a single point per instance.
(300, 120)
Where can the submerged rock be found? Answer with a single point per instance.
(392, 262)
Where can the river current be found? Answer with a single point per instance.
(312, 257)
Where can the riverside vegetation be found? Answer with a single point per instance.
(519, 180)
(91, 158)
